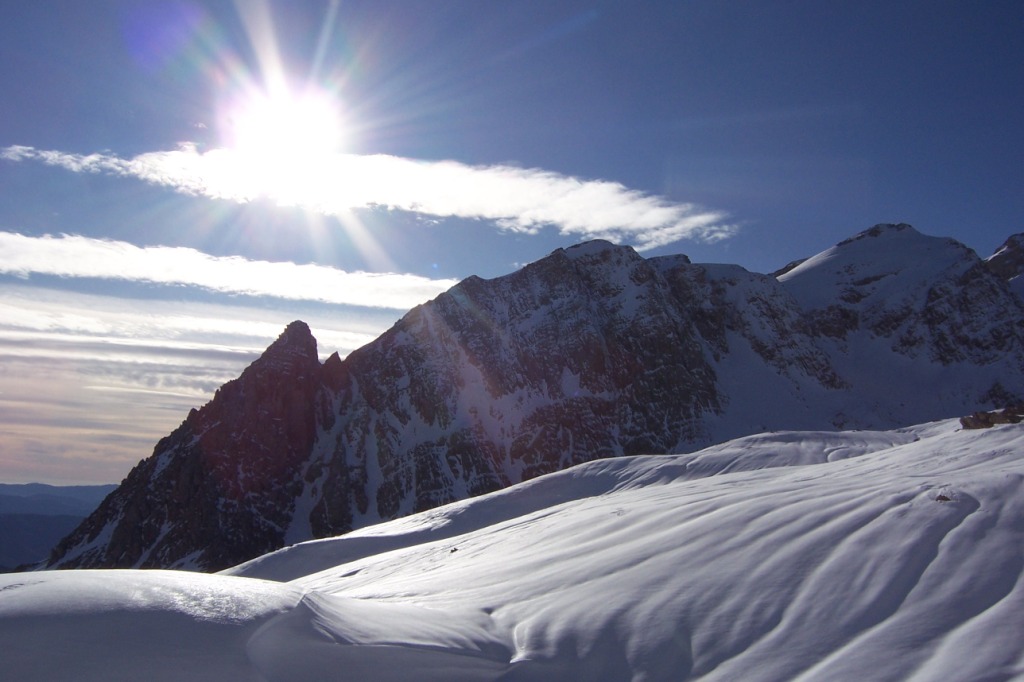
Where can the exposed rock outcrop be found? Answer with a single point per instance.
(1008, 260)
(1008, 263)
(1013, 414)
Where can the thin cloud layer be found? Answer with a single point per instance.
(516, 199)
(76, 256)
(91, 381)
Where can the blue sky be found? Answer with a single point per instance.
(180, 179)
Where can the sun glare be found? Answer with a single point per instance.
(287, 125)
(283, 142)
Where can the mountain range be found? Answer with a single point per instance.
(35, 516)
(592, 352)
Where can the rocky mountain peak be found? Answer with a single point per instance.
(296, 335)
(224, 480)
(295, 350)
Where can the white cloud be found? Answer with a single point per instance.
(517, 199)
(76, 256)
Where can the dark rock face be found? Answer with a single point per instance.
(591, 352)
(221, 486)
(1008, 260)
(1013, 414)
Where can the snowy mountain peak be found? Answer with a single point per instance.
(871, 256)
(889, 267)
(915, 298)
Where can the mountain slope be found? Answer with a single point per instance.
(814, 556)
(591, 352)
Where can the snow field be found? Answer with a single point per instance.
(791, 556)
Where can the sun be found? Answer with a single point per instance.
(283, 140)
(286, 125)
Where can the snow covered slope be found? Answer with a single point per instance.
(864, 555)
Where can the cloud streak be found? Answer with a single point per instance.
(90, 382)
(77, 256)
(515, 199)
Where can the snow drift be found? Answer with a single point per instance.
(861, 555)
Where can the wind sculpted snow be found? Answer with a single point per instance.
(878, 555)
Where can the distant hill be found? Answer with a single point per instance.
(51, 500)
(28, 538)
(35, 516)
